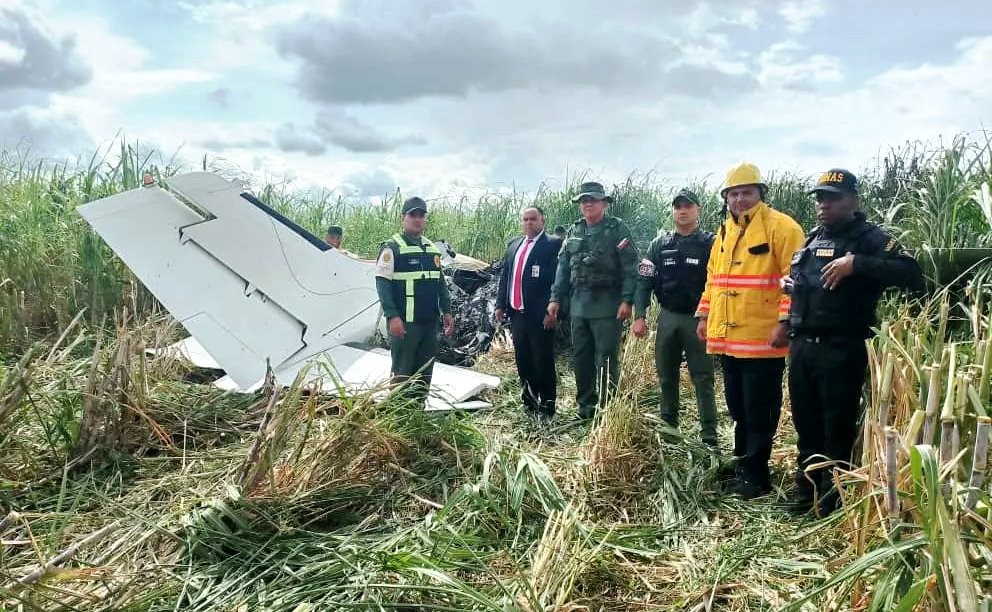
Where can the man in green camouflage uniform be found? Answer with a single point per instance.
(414, 298)
(597, 270)
(675, 271)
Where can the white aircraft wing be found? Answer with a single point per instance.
(248, 284)
(251, 286)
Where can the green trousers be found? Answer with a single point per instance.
(595, 361)
(413, 359)
(677, 334)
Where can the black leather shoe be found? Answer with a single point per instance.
(749, 490)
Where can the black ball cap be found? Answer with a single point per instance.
(837, 180)
(686, 194)
(414, 203)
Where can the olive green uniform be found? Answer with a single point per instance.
(675, 271)
(410, 286)
(597, 270)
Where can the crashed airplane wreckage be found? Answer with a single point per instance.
(253, 288)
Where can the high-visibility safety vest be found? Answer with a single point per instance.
(743, 299)
(416, 279)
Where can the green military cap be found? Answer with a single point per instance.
(687, 195)
(335, 230)
(413, 204)
(592, 190)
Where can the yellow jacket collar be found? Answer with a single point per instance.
(749, 214)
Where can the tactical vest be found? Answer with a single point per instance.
(594, 261)
(416, 279)
(680, 276)
(849, 308)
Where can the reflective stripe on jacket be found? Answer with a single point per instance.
(743, 299)
(416, 279)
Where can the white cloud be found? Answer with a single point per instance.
(120, 77)
(10, 54)
(335, 127)
(779, 68)
(800, 14)
(43, 133)
(254, 15)
(33, 57)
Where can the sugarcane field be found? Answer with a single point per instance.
(473, 306)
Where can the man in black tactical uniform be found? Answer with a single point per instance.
(414, 298)
(836, 280)
(675, 271)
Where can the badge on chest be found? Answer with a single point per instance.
(824, 253)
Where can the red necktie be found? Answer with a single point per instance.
(518, 295)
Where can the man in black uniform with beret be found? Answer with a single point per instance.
(836, 280)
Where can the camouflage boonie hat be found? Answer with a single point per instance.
(687, 195)
(413, 204)
(592, 190)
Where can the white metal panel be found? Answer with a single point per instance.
(332, 294)
(143, 227)
(359, 370)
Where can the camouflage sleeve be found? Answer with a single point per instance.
(887, 263)
(646, 271)
(562, 286)
(629, 259)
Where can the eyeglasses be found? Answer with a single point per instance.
(587, 199)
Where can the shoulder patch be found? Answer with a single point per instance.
(645, 268)
(623, 244)
(385, 265)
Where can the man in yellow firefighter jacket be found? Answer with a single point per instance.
(743, 317)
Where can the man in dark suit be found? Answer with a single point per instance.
(524, 288)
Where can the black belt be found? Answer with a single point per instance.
(824, 338)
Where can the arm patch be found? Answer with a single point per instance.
(385, 264)
(645, 268)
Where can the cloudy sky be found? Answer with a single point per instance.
(444, 96)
